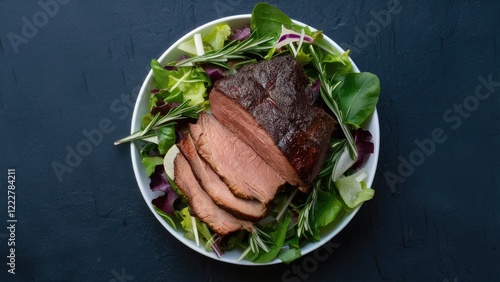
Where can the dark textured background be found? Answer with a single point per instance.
(439, 222)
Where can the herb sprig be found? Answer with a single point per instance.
(328, 86)
(182, 111)
(234, 50)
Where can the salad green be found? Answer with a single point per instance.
(181, 93)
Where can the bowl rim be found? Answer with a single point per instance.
(143, 180)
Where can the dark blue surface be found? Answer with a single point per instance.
(435, 216)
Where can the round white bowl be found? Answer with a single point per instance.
(141, 106)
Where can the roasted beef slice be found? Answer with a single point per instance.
(266, 104)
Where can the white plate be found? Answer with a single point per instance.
(141, 106)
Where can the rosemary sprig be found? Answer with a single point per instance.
(327, 91)
(336, 150)
(234, 50)
(306, 212)
(182, 111)
(257, 240)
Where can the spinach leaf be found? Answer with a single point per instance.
(166, 217)
(326, 210)
(289, 254)
(166, 138)
(267, 21)
(357, 96)
(278, 236)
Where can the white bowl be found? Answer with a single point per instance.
(141, 106)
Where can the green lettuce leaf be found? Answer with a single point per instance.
(191, 82)
(150, 163)
(213, 41)
(186, 223)
(160, 75)
(217, 36)
(353, 189)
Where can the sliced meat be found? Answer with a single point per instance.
(244, 125)
(267, 106)
(246, 174)
(202, 205)
(252, 210)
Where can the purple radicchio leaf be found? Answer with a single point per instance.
(159, 182)
(215, 73)
(362, 139)
(170, 68)
(241, 34)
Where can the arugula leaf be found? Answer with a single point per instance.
(337, 63)
(358, 95)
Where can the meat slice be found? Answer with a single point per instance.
(267, 105)
(246, 174)
(201, 204)
(244, 125)
(252, 210)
